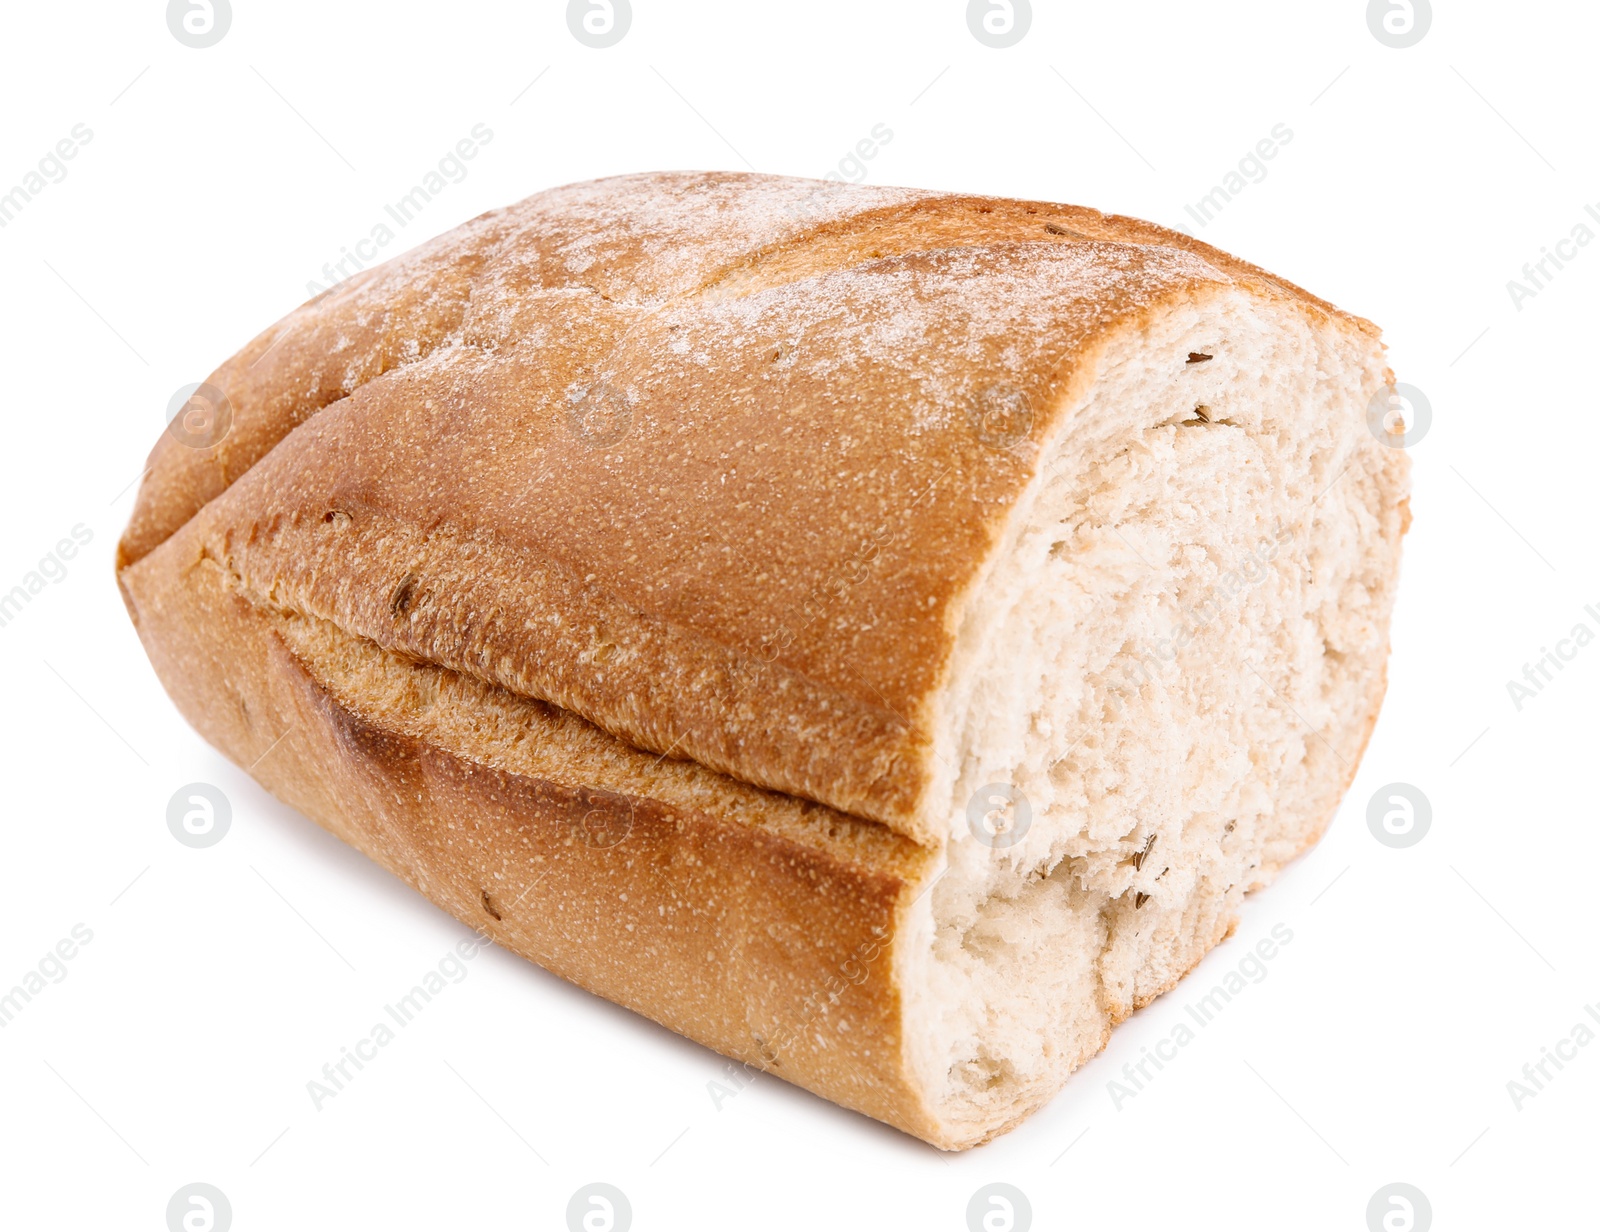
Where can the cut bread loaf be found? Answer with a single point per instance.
(880, 635)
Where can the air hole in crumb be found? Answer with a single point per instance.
(489, 906)
(1198, 357)
(403, 595)
(337, 517)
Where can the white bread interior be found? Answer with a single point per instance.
(1176, 660)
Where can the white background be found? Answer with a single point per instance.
(218, 982)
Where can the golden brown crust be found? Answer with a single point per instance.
(689, 455)
(770, 941)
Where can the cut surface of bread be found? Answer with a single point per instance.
(1163, 685)
(881, 635)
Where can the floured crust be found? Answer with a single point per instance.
(766, 569)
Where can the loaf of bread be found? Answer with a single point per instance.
(878, 634)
